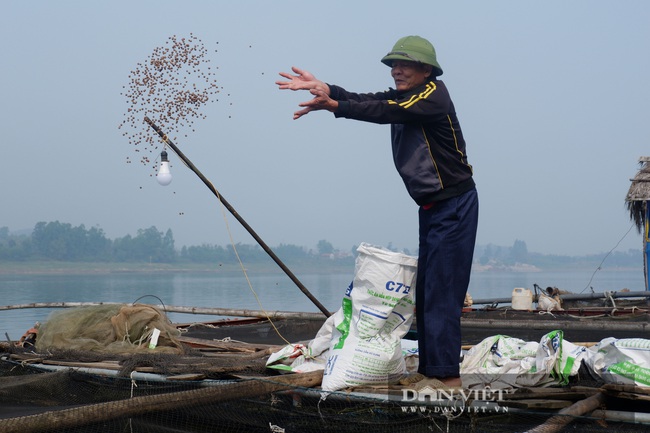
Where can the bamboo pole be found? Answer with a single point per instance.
(136, 406)
(602, 325)
(179, 309)
(232, 210)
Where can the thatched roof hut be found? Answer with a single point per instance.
(639, 194)
(637, 203)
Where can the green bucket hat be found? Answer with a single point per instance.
(413, 49)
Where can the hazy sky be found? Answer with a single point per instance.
(553, 98)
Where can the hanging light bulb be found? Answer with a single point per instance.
(164, 176)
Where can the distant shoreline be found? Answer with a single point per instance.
(101, 268)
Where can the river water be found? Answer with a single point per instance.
(274, 291)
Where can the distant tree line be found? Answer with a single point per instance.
(63, 242)
(518, 253)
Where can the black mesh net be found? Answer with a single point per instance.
(71, 400)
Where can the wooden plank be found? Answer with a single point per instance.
(587, 390)
(567, 395)
(627, 388)
(233, 346)
(538, 403)
(630, 396)
(26, 358)
(563, 393)
(541, 390)
(107, 365)
(642, 328)
(187, 377)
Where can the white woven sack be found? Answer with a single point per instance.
(376, 312)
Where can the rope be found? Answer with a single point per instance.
(276, 429)
(134, 384)
(610, 296)
(232, 243)
(595, 316)
(599, 267)
(542, 312)
(243, 268)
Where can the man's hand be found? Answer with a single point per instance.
(303, 80)
(321, 101)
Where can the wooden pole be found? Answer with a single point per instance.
(232, 210)
(566, 415)
(646, 244)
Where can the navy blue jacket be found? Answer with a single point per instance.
(428, 145)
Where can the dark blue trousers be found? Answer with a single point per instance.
(447, 239)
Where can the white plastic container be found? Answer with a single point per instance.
(522, 299)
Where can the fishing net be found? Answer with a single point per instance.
(110, 328)
(93, 369)
(34, 399)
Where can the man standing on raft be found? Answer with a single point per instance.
(429, 154)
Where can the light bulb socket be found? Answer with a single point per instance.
(163, 156)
